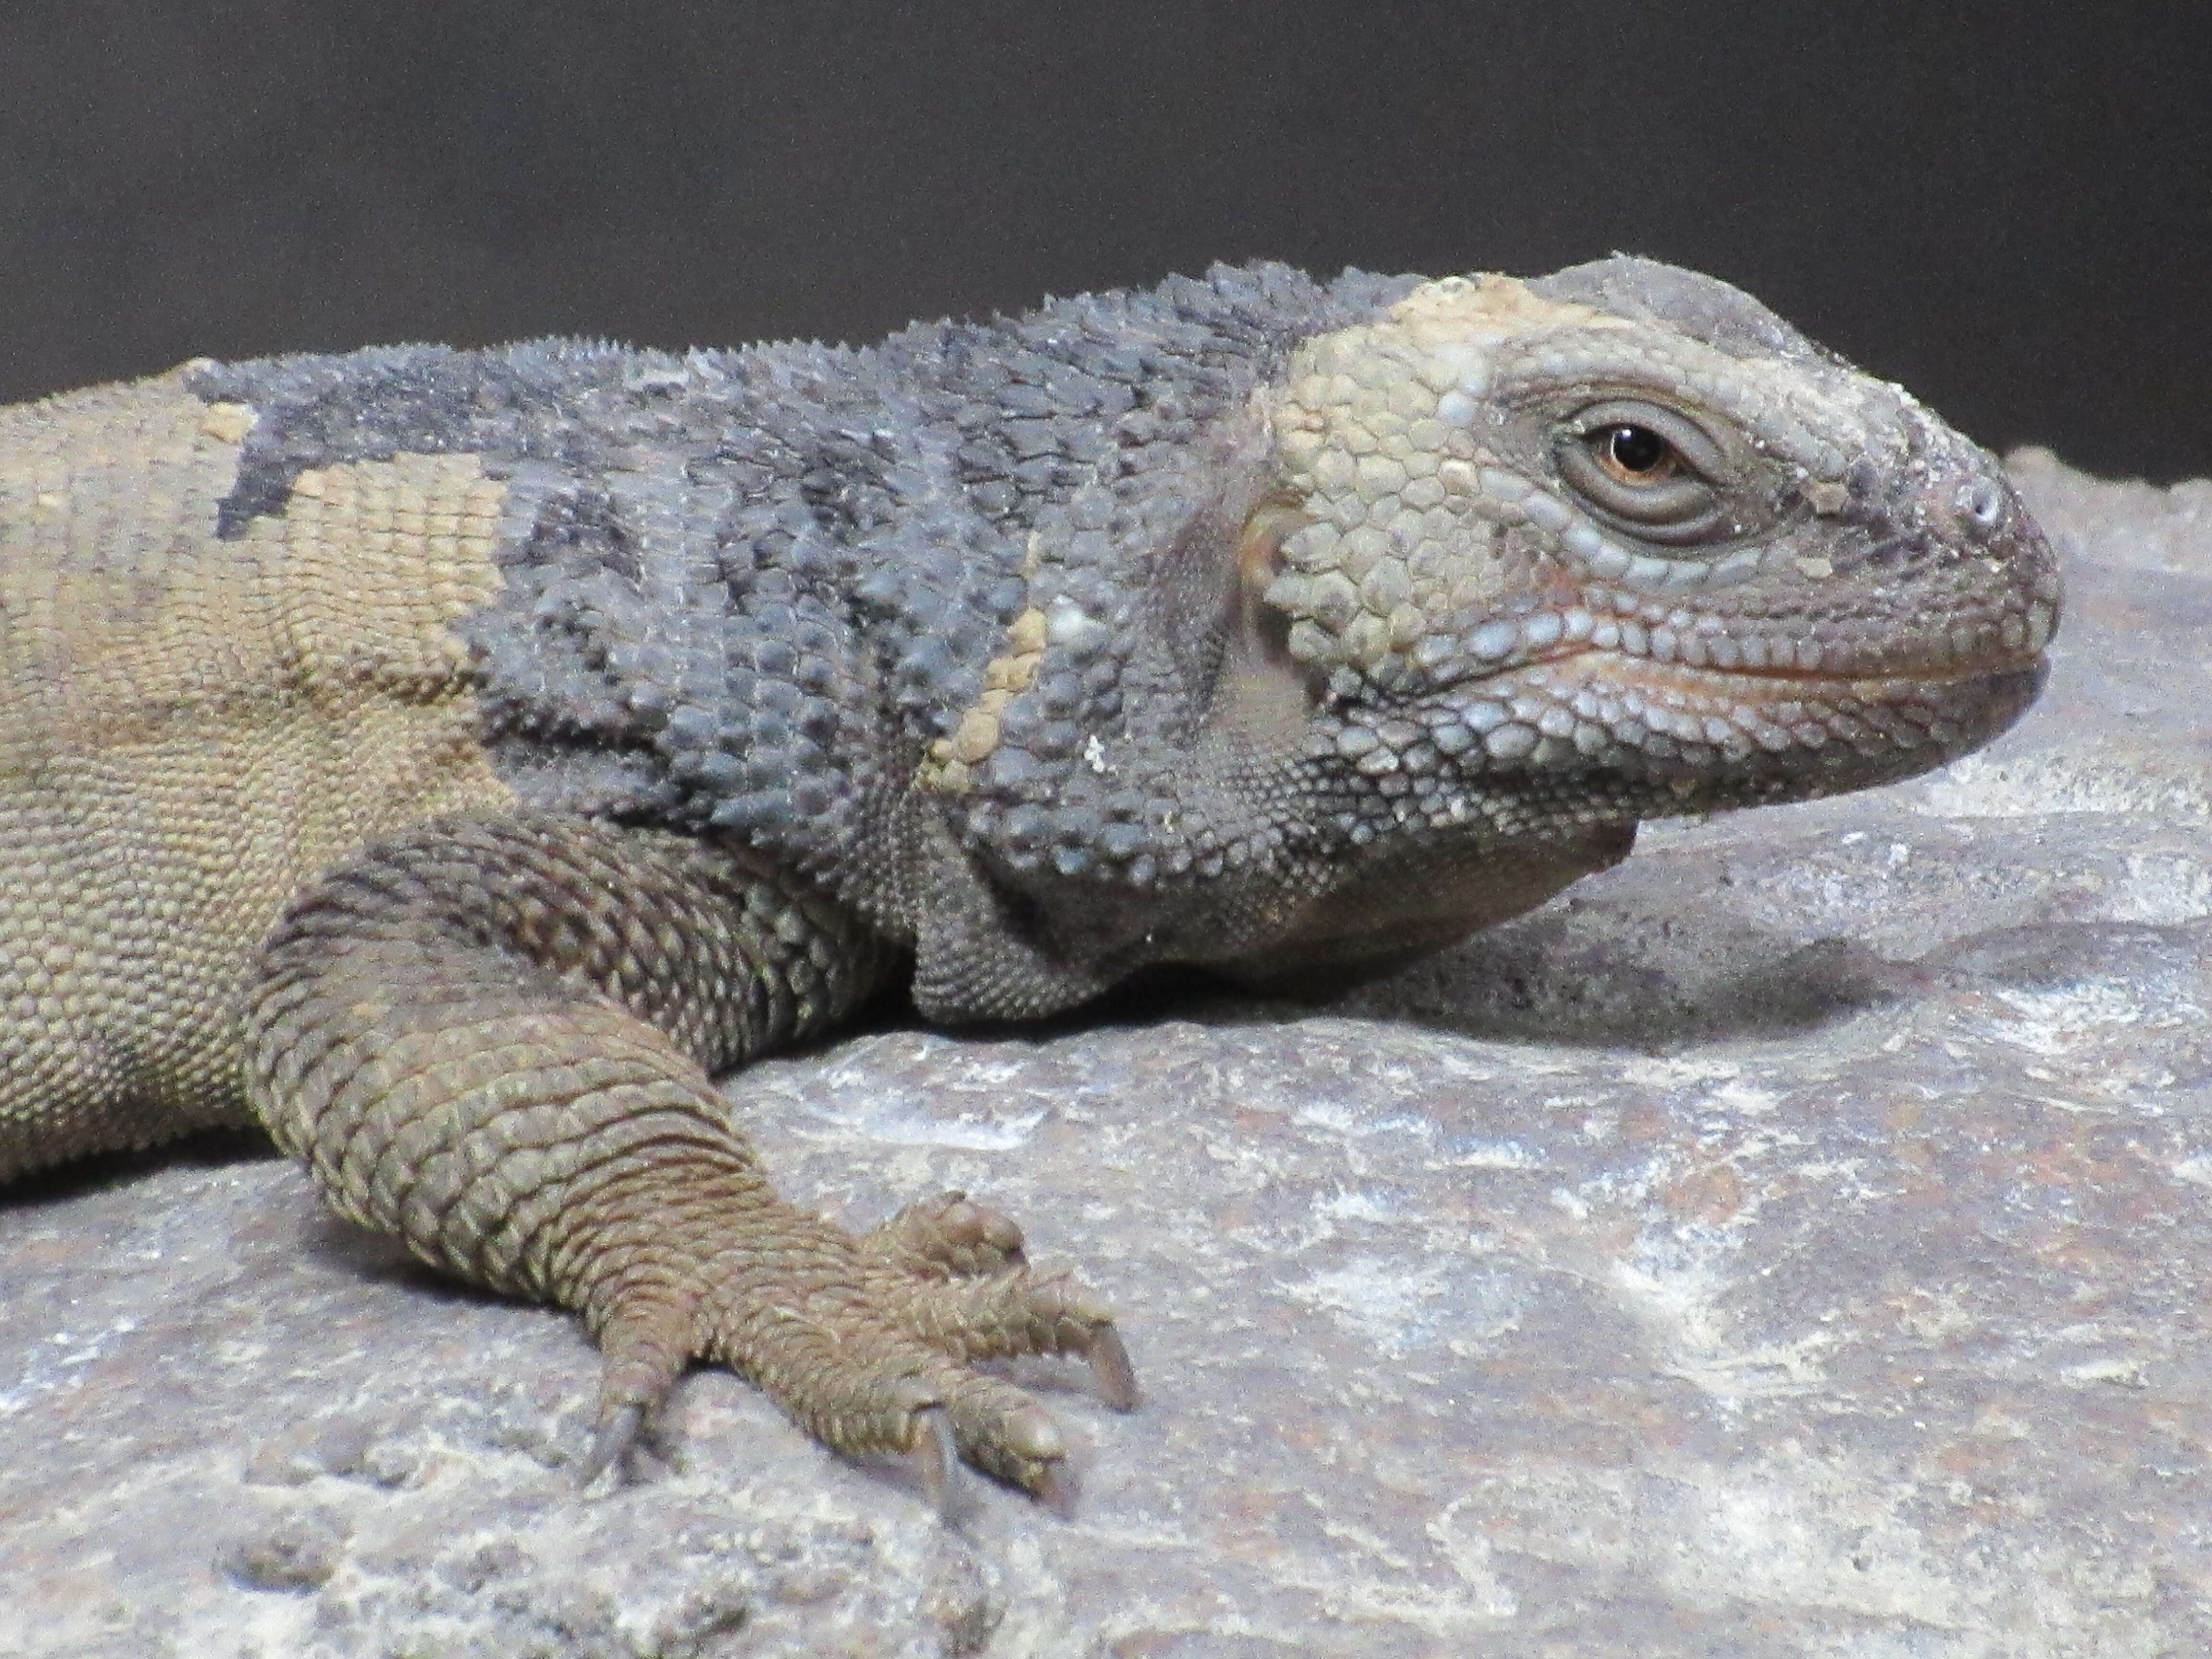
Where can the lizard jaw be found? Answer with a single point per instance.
(1681, 738)
(1616, 626)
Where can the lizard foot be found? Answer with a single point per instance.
(870, 1343)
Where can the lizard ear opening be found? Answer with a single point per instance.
(1265, 692)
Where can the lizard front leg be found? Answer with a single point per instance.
(493, 1036)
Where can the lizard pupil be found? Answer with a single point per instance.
(1636, 452)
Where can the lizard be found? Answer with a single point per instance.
(456, 761)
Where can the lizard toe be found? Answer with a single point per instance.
(645, 1343)
(948, 1235)
(1004, 1433)
(1018, 1313)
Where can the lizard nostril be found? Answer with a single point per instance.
(1980, 504)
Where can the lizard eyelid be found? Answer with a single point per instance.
(1646, 469)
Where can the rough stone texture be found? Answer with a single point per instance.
(1787, 1244)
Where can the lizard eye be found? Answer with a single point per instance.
(1646, 469)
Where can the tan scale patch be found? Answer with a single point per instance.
(191, 729)
(1377, 426)
(949, 769)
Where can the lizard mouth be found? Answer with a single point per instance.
(2010, 644)
(1741, 728)
(1770, 682)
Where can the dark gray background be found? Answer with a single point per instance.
(2004, 207)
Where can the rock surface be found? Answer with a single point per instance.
(1792, 1242)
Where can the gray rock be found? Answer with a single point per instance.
(1790, 1242)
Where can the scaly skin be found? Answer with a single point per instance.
(455, 761)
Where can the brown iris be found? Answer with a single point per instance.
(1635, 454)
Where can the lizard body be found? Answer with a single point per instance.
(452, 760)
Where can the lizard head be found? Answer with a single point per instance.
(1624, 527)
(1542, 558)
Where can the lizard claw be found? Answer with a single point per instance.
(935, 1458)
(1110, 1368)
(1054, 1488)
(612, 1441)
